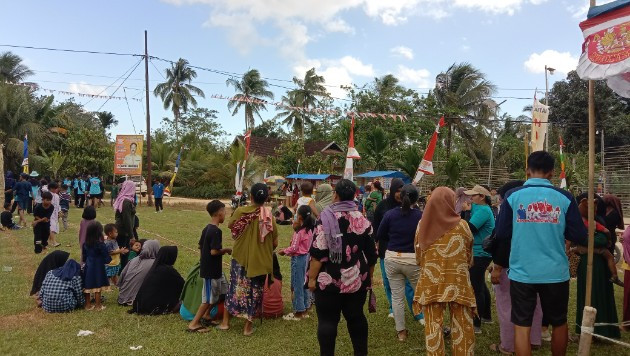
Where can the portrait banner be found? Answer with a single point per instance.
(128, 155)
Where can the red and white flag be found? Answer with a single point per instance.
(348, 172)
(426, 165)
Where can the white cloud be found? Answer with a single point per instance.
(336, 72)
(508, 7)
(356, 67)
(85, 88)
(563, 62)
(421, 78)
(579, 11)
(338, 25)
(464, 48)
(402, 51)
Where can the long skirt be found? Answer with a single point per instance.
(245, 295)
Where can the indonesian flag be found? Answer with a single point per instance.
(348, 172)
(606, 49)
(563, 177)
(167, 190)
(25, 155)
(240, 173)
(426, 165)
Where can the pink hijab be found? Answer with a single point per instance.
(127, 192)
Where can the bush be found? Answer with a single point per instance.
(212, 191)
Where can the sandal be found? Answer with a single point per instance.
(200, 330)
(219, 327)
(402, 335)
(291, 317)
(498, 349)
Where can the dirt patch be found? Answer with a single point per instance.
(34, 317)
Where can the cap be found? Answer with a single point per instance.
(34, 174)
(478, 190)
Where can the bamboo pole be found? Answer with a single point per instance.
(586, 337)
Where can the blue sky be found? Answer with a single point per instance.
(348, 41)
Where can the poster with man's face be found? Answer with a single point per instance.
(128, 155)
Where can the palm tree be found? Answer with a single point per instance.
(52, 162)
(250, 92)
(19, 116)
(375, 146)
(292, 116)
(176, 92)
(308, 92)
(462, 92)
(409, 161)
(106, 119)
(11, 68)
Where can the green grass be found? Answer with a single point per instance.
(26, 330)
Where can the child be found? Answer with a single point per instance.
(7, 218)
(113, 267)
(603, 251)
(89, 214)
(273, 306)
(158, 193)
(210, 268)
(114, 195)
(64, 203)
(136, 247)
(53, 188)
(307, 191)
(298, 251)
(95, 257)
(41, 223)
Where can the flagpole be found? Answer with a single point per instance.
(589, 313)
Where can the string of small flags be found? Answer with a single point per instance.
(71, 93)
(336, 112)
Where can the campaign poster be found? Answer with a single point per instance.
(128, 155)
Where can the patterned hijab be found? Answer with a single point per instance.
(127, 192)
(439, 217)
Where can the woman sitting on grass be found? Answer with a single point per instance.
(61, 290)
(135, 271)
(52, 261)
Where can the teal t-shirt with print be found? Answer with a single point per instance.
(482, 218)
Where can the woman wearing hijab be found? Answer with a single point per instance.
(255, 237)
(135, 271)
(613, 218)
(125, 217)
(160, 291)
(52, 261)
(393, 201)
(89, 214)
(462, 203)
(444, 253)
(62, 289)
(399, 228)
(323, 198)
(343, 256)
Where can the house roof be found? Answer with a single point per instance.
(266, 147)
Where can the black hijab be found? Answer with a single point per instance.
(383, 207)
(162, 286)
(52, 261)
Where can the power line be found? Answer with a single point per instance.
(121, 83)
(72, 50)
(130, 116)
(114, 82)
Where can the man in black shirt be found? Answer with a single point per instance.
(41, 224)
(210, 269)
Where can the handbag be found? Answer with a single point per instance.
(372, 301)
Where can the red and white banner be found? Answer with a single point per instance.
(606, 47)
(348, 172)
(426, 165)
(240, 170)
(540, 118)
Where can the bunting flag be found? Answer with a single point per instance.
(348, 172)
(563, 176)
(25, 155)
(426, 165)
(168, 189)
(540, 116)
(240, 174)
(72, 93)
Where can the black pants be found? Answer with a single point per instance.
(329, 309)
(81, 198)
(158, 204)
(29, 205)
(76, 197)
(14, 207)
(482, 294)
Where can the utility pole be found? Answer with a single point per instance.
(149, 162)
(603, 163)
(550, 70)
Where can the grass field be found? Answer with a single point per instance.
(27, 330)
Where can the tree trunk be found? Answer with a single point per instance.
(2, 172)
(448, 142)
(176, 115)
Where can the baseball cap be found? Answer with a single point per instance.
(478, 190)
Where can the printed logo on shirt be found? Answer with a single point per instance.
(538, 212)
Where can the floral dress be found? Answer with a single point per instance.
(359, 254)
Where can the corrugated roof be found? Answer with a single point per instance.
(266, 147)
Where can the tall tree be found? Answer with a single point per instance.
(462, 94)
(11, 68)
(176, 92)
(374, 146)
(291, 115)
(106, 119)
(308, 93)
(249, 90)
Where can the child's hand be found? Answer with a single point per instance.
(227, 251)
(281, 252)
(124, 251)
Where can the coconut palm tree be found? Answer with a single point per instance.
(251, 89)
(309, 91)
(463, 93)
(292, 115)
(176, 92)
(409, 161)
(106, 119)
(374, 145)
(11, 68)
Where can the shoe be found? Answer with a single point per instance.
(390, 315)
(546, 336)
(477, 330)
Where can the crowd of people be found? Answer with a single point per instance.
(528, 235)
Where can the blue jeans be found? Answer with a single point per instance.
(409, 291)
(301, 296)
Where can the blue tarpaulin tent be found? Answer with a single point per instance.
(384, 176)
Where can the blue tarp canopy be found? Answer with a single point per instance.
(603, 9)
(307, 176)
(385, 174)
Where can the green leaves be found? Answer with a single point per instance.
(251, 86)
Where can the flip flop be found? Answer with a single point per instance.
(200, 330)
(290, 317)
(218, 327)
(497, 348)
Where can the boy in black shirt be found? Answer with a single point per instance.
(210, 269)
(7, 218)
(41, 224)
